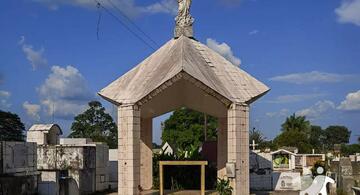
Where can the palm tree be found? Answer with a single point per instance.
(296, 123)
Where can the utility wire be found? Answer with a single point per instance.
(123, 24)
(133, 23)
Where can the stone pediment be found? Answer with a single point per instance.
(197, 60)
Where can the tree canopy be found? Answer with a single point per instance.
(296, 123)
(260, 139)
(298, 132)
(96, 124)
(256, 135)
(185, 127)
(295, 139)
(336, 135)
(295, 132)
(11, 127)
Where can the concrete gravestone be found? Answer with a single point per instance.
(287, 181)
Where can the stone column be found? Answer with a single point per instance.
(222, 147)
(128, 150)
(238, 147)
(146, 181)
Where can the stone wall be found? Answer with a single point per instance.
(65, 157)
(18, 173)
(68, 168)
(17, 158)
(102, 165)
(113, 168)
(260, 171)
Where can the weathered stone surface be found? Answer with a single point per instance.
(18, 158)
(75, 141)
(238, 147)
(222, 148)
(113, 168)
(183, 31)
(80, 166)
(65, 157)
(128, 150)
(189, 56)
(18, 173)
(44, 134)
(286, 181)
(146, 159)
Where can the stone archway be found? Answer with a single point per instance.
(183, 72)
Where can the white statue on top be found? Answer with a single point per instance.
(184, 18)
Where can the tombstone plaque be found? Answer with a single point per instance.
(286, 181)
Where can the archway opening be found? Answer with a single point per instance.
(186, 135)
(196, 118)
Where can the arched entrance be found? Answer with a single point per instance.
(183, 72)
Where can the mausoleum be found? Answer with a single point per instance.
(182, 73)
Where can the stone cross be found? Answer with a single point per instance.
(253, 144)
(183, 20)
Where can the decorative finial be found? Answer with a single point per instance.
(183, 20)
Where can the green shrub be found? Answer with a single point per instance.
(183, 177)
(223, 187)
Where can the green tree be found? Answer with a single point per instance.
(317, 138)
(260, 139)
(296, 123)
(295, 139)
(257, 136)
(348, 149)
(96, 124)
(336, 135)
(185, 127)
(11, 127)
(295, 132)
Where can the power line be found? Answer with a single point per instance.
(123, 24)
(133, 23)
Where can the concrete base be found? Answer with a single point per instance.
(186, 31)
(285, 193)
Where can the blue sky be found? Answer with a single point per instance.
(307, 52)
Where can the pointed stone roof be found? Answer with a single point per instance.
(192, 57)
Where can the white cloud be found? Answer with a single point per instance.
(349, 12)
(4, 97)
(5, 94)
(282, 113)
(164, 6)
(65, 92)
(295, 98)
(351, 103)
(128, 7)
(317, 110)
(224, 50)
(312, 77)
(32, 110)
(253, 32)
(35, 57)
